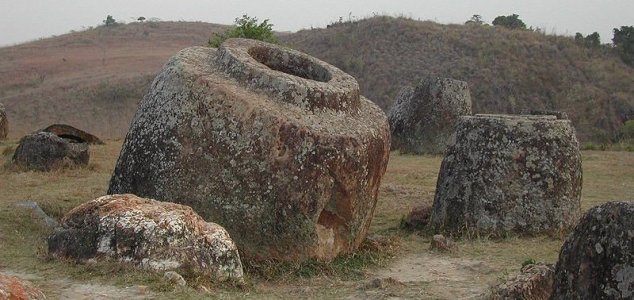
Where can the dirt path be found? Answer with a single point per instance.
(65, 288)
(438, 276)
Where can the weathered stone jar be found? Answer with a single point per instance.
(423, 117)
(597, 259)
(507, 173)
(274, 145)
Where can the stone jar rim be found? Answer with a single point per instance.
(288, 75)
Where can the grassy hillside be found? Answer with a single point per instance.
(507, 71)
(94, 79)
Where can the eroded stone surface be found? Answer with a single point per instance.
(154, 235)
(4, 123)
(72, 133)
(12, 287)
(597, 259)
(45, 151)
(534, 282)
(423, 117)
(509, 173)
(273, 144)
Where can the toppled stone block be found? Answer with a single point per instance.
(273, 144)
(4, 123)
(12, 287)
(45, 151)
(423, 118)
(597, 259)
(73, 134)
(507, 173)
(534, 282)
(154, 235)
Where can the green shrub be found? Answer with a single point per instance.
(246, 27)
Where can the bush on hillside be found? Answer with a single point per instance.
(246, 27)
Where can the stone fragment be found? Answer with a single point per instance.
(441, 243)
(14, 288)
(37, 214)
(597, 259)
(44, 151)
(534, 282)
(423, 117)
(175, 278)
(73, 134)
(273, 144)
(4, 123)
(506, 173)
(159, 236)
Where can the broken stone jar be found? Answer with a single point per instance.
(275, 145)
(509, 173)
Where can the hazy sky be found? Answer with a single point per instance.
(25, 20)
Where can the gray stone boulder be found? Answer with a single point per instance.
(505, 173)
(45, 151)
(273, 144)
(14, 288)
(597, 259)
(534, 282)
(423, 117)
(158, 236)
(4, 123)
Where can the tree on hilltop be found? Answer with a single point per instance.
(591, 40)
(109, 21)
(475, 20)
(624, 43)
(512, 22)
(246, 27)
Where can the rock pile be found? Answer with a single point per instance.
(273, 144)
(423, 118)
(4, 123)
(509, 173)
(45, 151)
(154, 235)
(597, 259)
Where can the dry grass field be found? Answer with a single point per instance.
(402, 256)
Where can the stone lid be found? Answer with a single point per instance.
(288, 75)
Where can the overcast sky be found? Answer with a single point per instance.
(26, 20)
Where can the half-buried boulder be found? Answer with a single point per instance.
(45, 151)
(273, 144)
(72, 133)
(12, 287)
(509, 174)
(4, 123)
(153, 235)
(423, 118)
(597, 259)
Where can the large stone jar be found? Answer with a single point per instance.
(423, 117)
(597, 259)
(505, 173)
(276, 146)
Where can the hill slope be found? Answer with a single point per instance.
(507, 71)
(94, 79)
